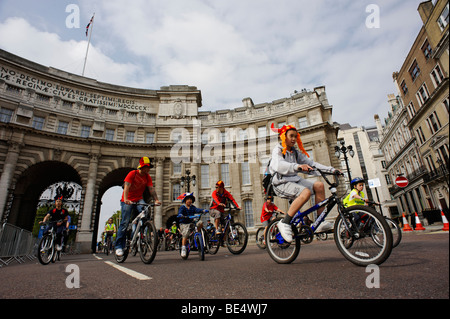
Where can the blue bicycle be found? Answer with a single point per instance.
(197, 238)
(361, 234)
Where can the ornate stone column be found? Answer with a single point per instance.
(159, 190)
(85, 232)
(8, 172)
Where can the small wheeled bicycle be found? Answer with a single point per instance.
(234, 234)
(144, 239)
(395, 228)
(197, 238)
(361, 234)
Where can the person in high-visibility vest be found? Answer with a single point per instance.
(356, 196)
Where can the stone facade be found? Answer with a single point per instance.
(60, 127)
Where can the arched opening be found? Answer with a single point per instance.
(31, 184)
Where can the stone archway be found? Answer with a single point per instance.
(30, 185)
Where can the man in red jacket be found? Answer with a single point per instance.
(220, 197)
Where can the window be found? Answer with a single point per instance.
(129, 137)
(150, 138)
(62, 127)
(110, 134)
(249, 222)
(443, 18)
(426, 49)
(5, 115)
(38, 123)
(420, 135)
(85, 131)
(411, 110)
(422, 95)
(404, 87)
(204, 182)
(245, 173)
(433, 123)
(414, 70)
(302, 122)
(388, 179)
(176, 168)
(225, 174)
(176, 192)
(262, 131)
(446, 104)
(436, 76)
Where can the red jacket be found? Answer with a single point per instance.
(221, 198)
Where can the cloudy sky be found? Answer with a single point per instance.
(263, 49)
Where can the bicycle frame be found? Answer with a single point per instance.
(139, 221)
(329, 202)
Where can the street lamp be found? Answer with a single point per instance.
(338, 149)
(187, 179)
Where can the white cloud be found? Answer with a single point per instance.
(234, 49)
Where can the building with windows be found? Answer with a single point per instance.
(415, 138)
(57, 127)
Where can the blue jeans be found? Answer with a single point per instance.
(127, 213)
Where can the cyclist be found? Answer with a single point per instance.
(267, 212)
(185, 214)
(59, 218)
(110, 231)
(356, 196)
(286, 162)
(219, 201)
(135, 184)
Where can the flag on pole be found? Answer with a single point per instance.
(87, 27)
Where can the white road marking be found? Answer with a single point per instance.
(127, 271)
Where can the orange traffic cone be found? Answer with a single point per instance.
(406, 226)
(444, 221)
(418, 223)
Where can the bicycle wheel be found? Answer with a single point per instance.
(396, 232)
(371, 242)
(260, 238)
(279, 250)
(237, 238)
(200, 246)
(148, 242)
(46, 249)
(213, 243)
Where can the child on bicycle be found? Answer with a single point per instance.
(269, 208)
(220, 197)
(186, 213)
(285, 164)
(356, 196)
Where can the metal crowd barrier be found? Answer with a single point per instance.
(16, 244)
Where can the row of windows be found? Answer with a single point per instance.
(433, 124)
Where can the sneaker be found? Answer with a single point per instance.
(285, 231)
(119, 252)
(58, 247)
(183, 251)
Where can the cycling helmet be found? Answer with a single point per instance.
(355, 181)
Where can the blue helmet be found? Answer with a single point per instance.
(356, 180)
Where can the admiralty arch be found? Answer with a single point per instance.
(61, 127)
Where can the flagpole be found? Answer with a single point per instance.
(89, 41)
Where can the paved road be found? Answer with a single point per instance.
(417, 269)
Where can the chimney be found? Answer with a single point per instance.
(379, 127)
(425, 9)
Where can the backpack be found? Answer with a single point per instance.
(267, 180)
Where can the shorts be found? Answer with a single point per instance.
(292, 190)
(185, 230)
(214, 213)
